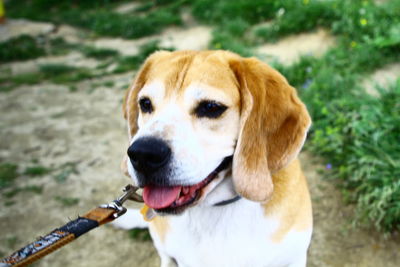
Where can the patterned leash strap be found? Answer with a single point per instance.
(71, 231)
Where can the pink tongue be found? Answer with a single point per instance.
(159, 197)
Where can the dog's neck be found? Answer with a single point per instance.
(222, 193)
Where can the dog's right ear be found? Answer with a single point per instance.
(130, 102)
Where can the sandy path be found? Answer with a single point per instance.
(55, 126)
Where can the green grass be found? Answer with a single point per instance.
(22, 47)
(63, 74)
(98, 53)
(11, 241)
(31, 188)
(140, 234)
(67, 201)
(300, 16)
(36, 170)
(356, 133)
(99, 16)
(25, 47)
(56, 73)
(8, 173)
(129, 63)
(68, 75)
(109, 84)
(219, 11)
(65, 171)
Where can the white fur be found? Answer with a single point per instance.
(131, 219)
(238, 234)
(197, 149)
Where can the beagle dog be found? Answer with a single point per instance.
(214, 140)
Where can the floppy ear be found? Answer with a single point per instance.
(130, 105)
(273, 127)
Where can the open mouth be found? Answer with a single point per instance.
(172, 199)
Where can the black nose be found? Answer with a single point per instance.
(149, 154)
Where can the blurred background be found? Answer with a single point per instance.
(64, 67)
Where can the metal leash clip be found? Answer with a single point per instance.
(129, 194)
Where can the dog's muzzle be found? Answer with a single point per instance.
(148, 155)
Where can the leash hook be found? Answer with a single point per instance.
(117, 204)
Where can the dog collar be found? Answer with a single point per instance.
(228, 201)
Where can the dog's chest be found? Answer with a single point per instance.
(234, 235)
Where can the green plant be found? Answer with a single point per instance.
(218, 11)
(299, 16)
(30, 188)
(140, 234)
(22, 47)
(99, 53)
(65, 171)
(36, 170)
(67, 201)
(99, 17)
(109, 83)
(355, 133)
(8, 173)
(63, 74)
(130, 63)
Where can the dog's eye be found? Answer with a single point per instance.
(209, 109)
(145, 105)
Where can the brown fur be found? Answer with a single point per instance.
(273, 121)
(161, 226)
(290, 201)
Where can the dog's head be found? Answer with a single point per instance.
(190, 114)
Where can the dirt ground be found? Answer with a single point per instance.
(54, 127)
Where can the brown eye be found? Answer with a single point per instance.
(209, 109)
(145, 105)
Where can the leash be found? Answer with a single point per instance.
(72, 230)
(63, 235)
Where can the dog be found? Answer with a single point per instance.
(214, 139)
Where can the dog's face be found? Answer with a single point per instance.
(190, 114)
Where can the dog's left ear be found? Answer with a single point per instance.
(273, 127)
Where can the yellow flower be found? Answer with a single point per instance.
(1, 9)
(353, 44)
(363, 22)
(306, 2)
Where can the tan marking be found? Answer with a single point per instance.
(290, 201)
(274, 123)
(273, 120)
(160, 226)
